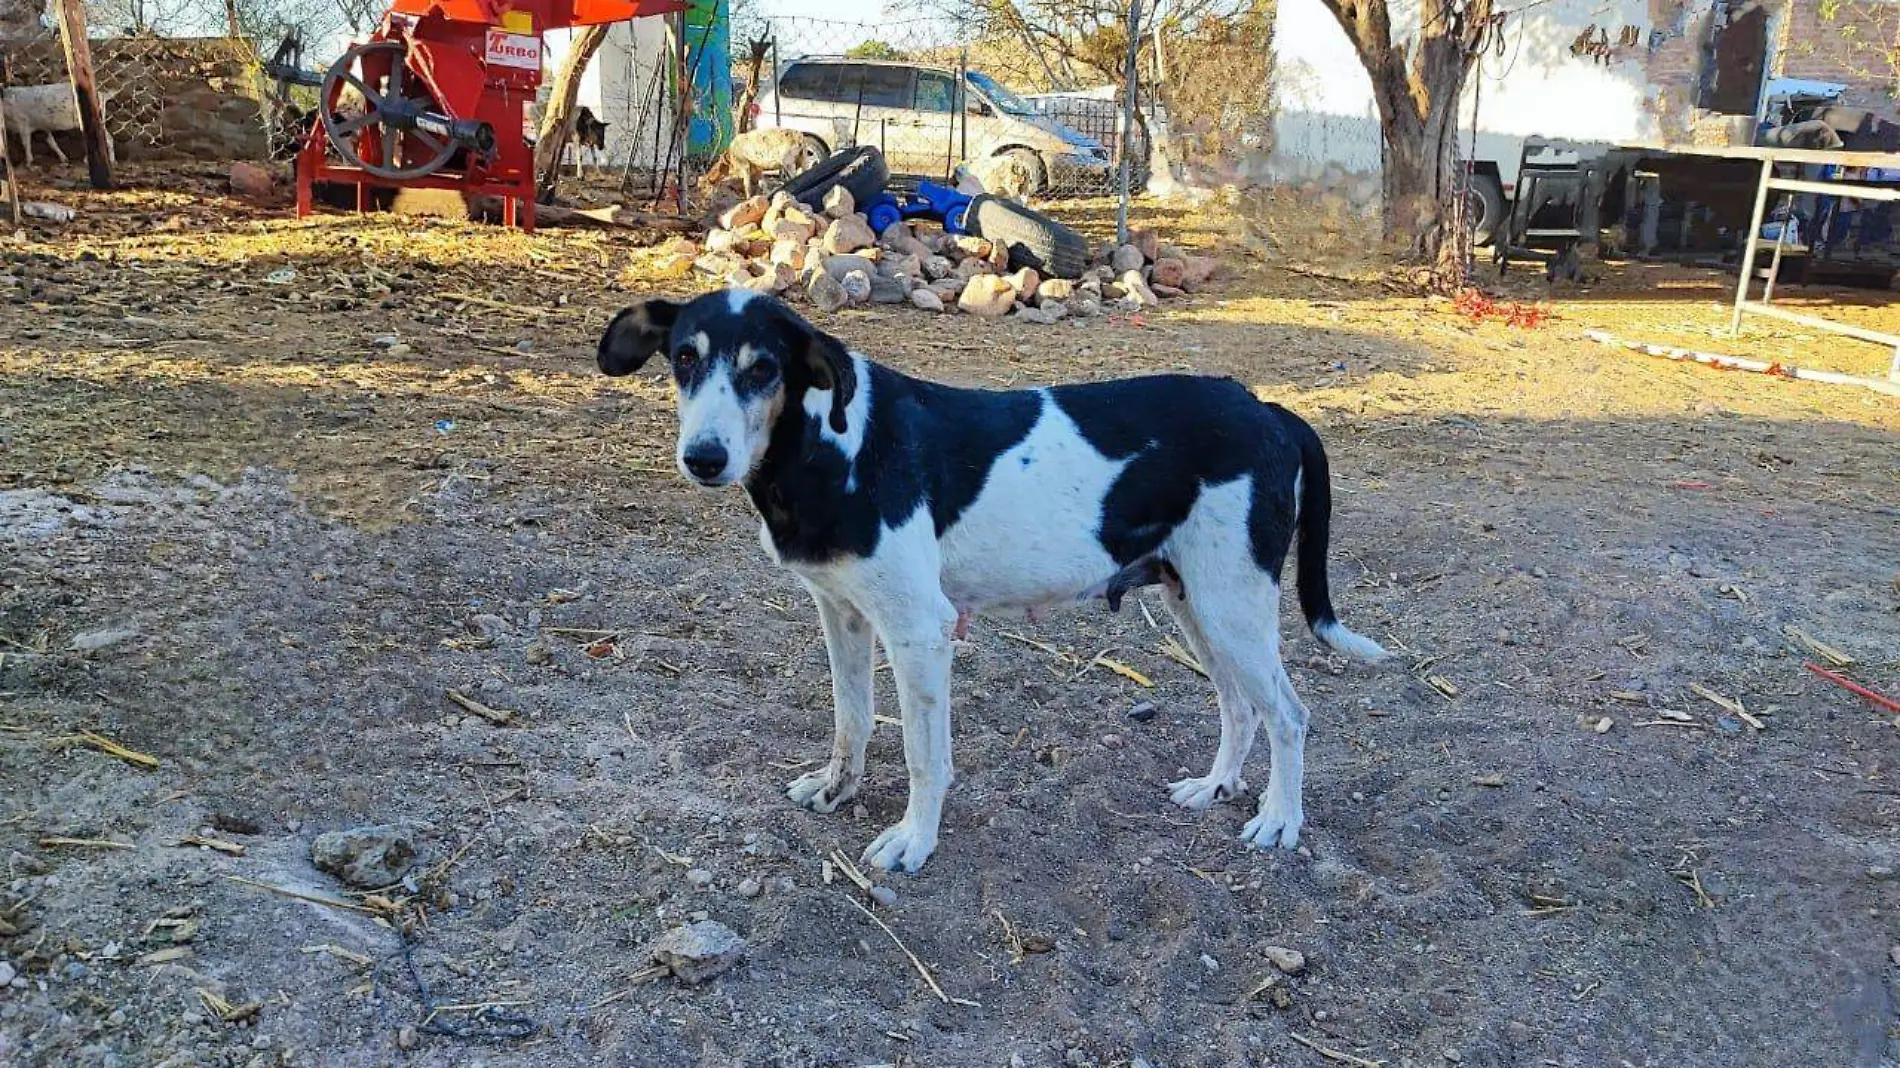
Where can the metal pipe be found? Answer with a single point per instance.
(1129, 81)
(1781, 242)
(1749, 245)
(963, 97)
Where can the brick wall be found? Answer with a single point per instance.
(1859, 46)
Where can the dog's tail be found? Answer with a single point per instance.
(1316, 517)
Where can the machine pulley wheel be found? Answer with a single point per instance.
(383, 138)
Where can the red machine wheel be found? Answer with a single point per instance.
(376, 139)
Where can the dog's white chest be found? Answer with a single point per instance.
(1030, 537)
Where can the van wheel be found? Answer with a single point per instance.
(1032, 166)
(819, 153)
(860, 171)
(1034, 240)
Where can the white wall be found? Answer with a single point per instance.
(1327, 121)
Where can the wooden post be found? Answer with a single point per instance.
(72, 36)
(8, 185)
(231, 19)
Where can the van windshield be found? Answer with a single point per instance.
(1000, 96)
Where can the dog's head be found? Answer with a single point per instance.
(740, 361)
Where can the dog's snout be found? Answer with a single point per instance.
(705, 460)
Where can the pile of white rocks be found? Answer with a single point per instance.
(831, 257)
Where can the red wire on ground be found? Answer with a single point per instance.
(1477, 306)
(1846, 683)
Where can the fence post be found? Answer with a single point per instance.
(7, 185)
(778, 99)
(72, 38)
(963, 108)
(1129, 79)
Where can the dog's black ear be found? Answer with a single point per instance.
(830, 365)
(635, 335)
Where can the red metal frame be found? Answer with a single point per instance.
(470, 56)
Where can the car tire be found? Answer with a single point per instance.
(1484, 208)
(819, 153)
(859, 171)
(1033, 239)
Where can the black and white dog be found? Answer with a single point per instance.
(590, 139)
(905, 506)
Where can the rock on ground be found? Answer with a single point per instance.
(699, 951)
(886, 289)
(366, 857)
(926, 299)
(857, 286)
(1290, 961)
(1137, 289)
(745, 214)
(252, 181)
(988, 296)
(1148, 243)
(1024, 282)
(841, 265)
(839, 203)
(848, 234)
(827, 292)
(1126, 258)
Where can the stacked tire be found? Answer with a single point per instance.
(1033, 239)
(859, 171)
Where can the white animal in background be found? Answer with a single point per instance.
(756, 152)
(1005, 176)
(48, 109)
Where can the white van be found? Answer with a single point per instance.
(911, 112)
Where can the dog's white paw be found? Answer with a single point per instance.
(902, 847)
(1273, 826)
(822, 790)
(1200, 793)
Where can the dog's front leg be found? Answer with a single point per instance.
(848, 643)
(919, 646)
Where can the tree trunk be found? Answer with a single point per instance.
(557, 123)
(1417, 84)
(1418, 159)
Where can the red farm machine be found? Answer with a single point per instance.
(435, 99)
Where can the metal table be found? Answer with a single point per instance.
(1769, 157)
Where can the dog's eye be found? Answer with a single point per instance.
(762, 371)
(684, 357)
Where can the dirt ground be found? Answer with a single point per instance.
(256, 525)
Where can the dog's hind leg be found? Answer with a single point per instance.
(848, 642)
(1281, 812)
(1231, 613)
(1238, 641)
(1239, 715)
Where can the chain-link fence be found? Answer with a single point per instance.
(935, 100)
(165, 96)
